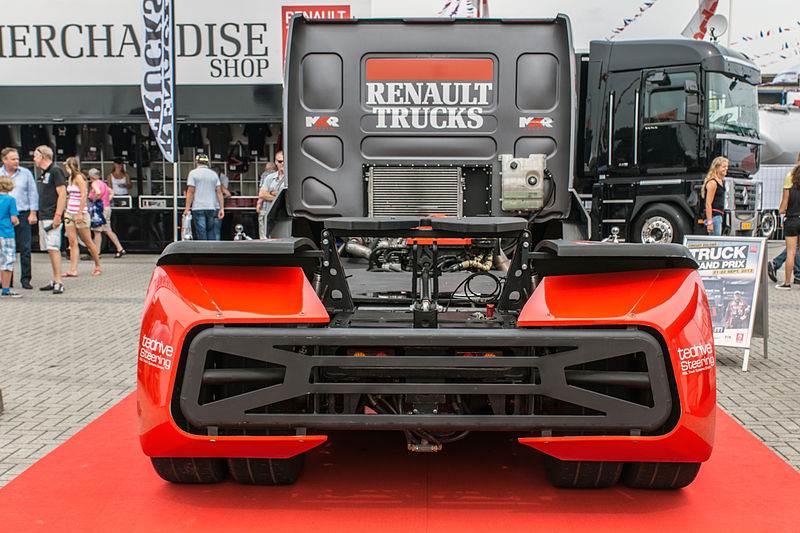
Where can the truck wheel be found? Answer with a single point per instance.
(768, 224)
(660, 223)
(582, 474)
(190, 469)
(255, 471)
(659, 475)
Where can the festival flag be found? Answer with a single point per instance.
(158, 73)
(696, 29)
(630, 20)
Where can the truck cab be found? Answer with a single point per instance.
(653, 115)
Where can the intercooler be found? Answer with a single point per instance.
(415, 191)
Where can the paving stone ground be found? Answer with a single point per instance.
(67, 358)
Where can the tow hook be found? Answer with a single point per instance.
(424, 446)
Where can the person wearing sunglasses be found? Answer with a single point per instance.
(271, 184)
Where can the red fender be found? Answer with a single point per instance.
(182, 297)
(672, 302)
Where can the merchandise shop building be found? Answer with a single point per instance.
(72, 76)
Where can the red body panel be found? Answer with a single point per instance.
(182, 297)
(673, 303)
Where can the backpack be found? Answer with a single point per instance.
(238, 160)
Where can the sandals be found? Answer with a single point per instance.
(69, 275)
(96, 272)
(120, 253)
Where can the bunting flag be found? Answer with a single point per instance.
(696, 29)
(158, 74)
(630, 20)
(457, 8)
(763, 34)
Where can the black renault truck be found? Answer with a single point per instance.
(652, 116)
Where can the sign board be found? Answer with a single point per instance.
(95, 42)
(733, 273)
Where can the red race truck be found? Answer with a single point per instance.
(376, 315)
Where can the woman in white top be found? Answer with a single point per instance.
(119, 180)
(77, 219)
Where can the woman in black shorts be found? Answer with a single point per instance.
(790, 207)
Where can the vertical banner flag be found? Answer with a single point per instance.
(696, 29)
(158, 73)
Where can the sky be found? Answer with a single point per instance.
(596, 19)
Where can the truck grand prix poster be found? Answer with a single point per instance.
(731, 269)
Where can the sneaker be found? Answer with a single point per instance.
(48, 287)
(10, 294)
(27, 285)
(58, 288)
(771, 271)
(783, 287)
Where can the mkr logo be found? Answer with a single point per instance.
(322, 122)
(535, 123)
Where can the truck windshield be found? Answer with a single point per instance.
(732, 104)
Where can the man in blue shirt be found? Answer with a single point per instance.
(27, 198)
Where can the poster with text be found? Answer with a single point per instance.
(731, 271)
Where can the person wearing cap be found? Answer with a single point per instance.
(203, 196)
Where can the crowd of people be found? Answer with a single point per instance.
(63, 199)
(77, 204)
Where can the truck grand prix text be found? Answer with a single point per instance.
(723, 257)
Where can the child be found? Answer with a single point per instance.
(8, 219)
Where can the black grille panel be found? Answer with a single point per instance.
(566, 381)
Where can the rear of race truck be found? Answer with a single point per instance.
(422, 150)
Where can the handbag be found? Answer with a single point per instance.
(96, 213)
(186, 227)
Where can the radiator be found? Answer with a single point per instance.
(415, 191)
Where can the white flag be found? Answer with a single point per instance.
(158, 74)
(696, 29)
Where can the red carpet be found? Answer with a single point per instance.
(100, 481)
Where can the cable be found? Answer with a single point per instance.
(548, 175)
(483, 297)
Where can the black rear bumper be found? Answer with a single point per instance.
(563, 380)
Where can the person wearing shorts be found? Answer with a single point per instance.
(790, 208)
(77, 220)
(99, 189)
(9, 217)
(52, 202)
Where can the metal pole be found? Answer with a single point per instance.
(730, 21)
(175, 178)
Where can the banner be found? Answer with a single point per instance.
(696, 29)
(158, 73)
(731, 270)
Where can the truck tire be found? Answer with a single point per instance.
(582, 474)
(190, 469)
(255, 471)
(659, 475)
(767, 224)
(663, 223)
